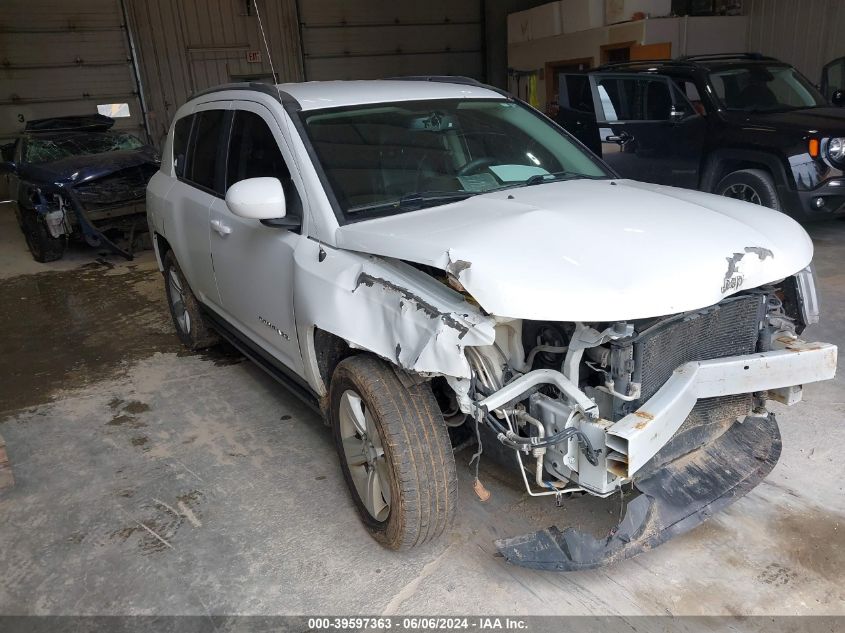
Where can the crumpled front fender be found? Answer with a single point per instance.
(390, 309)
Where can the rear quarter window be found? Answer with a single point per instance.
(181, 134)
(202, 161)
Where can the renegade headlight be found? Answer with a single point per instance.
(836, 150)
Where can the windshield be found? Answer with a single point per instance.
(389, 158)
(760, 88)
(44, 150)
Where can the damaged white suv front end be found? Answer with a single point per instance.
(610, 333)
(643, 351)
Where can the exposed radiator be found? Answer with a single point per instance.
(729, 328)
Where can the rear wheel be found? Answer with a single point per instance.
(191, 326)
(394, 451)
(43, 246)
(750, 185)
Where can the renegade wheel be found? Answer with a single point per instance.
(191, 327)
(394, 451)
(43, 246)
(750, 185)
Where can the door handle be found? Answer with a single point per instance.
(221, 228)
(621, 138)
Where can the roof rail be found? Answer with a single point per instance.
(712, 56)
(243, 85)
(453, 79)
(446, 79)
(641, 62)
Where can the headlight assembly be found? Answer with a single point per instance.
(836, 150)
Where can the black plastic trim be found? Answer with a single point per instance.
(282, 374)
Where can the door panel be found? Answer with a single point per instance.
(254, 263)
(577, 113)
(647, 130)
(190, 202)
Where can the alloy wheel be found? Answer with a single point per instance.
(364, 454)
(741, 191)
(177, 300)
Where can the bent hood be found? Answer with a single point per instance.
(74, 170)
(588, 250)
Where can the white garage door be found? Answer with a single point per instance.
(369, 39)
(61, 57)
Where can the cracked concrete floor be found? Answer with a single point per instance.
(154, 481)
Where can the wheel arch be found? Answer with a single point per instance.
(160, 247)
(720, 163)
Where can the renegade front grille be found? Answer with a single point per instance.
(729, 328)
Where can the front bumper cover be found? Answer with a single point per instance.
(676, 496)
(673, 499)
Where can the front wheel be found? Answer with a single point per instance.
(43, 246)
(750, 185)
(394, 451)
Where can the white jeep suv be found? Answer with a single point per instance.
(430, 260)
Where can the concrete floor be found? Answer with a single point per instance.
(155, 481)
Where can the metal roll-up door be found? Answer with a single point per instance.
(368, 39)
(63, 57)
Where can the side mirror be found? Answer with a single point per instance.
(8, 167)
(838, 98)
(257, 199)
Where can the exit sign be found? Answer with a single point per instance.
(253, 57)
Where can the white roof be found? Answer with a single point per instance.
(313, 95)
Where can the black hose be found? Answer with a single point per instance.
(521, 443)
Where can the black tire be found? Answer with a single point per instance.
(417, 454)
(750, 185)
(191, 326)
(43, 246)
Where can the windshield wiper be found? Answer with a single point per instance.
(417, 200)
(538, 179)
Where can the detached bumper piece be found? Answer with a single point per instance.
(674, 498)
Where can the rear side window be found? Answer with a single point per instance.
(634, 98)
(254, 153)
(181, 133)
(576, 93)
(202, 161)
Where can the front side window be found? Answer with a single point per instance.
(254, 153)
(388, 158)
(760, 87)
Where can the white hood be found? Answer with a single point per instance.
(588, 250)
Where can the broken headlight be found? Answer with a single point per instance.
(801, 298)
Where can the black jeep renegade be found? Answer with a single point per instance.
(744, 126)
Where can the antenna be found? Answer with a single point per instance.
(266, 46)
(313, 224)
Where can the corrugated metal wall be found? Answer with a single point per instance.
(366, 39)
(187, 46)
(805, 33)
(60, 57)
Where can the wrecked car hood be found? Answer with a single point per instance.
(593, 250)
(74, 170)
